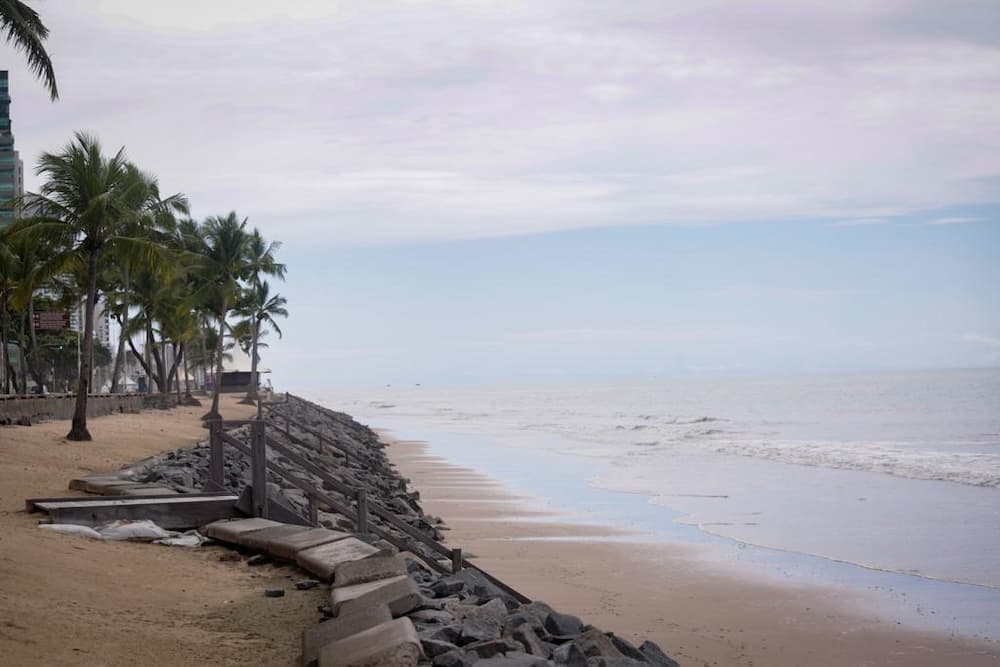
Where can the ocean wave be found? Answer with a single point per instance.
(974, 469)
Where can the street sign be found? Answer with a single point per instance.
(50, 320)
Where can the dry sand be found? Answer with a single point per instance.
(74, 601)
(699, 612)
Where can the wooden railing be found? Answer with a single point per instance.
(357, 512)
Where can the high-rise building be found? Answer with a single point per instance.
(11, 167)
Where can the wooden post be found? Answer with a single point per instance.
(362, 511)
(258, 469)
(216, 456)
(456, 561)
(313, 509)
(288, 427)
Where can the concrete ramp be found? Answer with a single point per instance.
(172, 512)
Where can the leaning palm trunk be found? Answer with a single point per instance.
(3, 343)
(120, 357)
(79, 429)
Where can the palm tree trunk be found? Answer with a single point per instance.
(4, 364)
(178, 352)
(187, 377)
(120, 357)
(39, 376)
(23, 348)
(214, 412)
(252, 394)
(79, 429)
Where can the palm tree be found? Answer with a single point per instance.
(146, 216)
(260, 308)
(80, 208)
(223, 265)
(25, 30)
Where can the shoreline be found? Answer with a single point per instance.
(699, 610)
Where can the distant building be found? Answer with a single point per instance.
(102, 321)
(11, 167)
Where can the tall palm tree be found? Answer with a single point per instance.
(260, 308)
(223, 265)
(26, 32)
(148, 216)
(80, 208)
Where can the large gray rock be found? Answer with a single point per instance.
(456, 658)
(493, 647)
(655, 656)
(483, 622)
(513, 661)
(526, 637)
(569, 654)
(563, 625)
(432, 616)
(314, 638)
(391, 644)
(433, 648)
(626, 648)
(595, 644)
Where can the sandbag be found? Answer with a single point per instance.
(72, 529)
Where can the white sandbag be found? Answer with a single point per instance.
(191, 538)
(136, 531)
(72, 529)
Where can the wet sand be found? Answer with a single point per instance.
(698, 610)
(73, 601)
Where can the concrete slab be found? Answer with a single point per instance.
(400, 594)
(369, 569)
(229, 531)
(324, 559)
(258, 540)
(392, 644)
(286, 544)
(316, 637)
(144, 490)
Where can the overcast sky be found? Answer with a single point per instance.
(506, 191)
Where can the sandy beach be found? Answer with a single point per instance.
(73, 601)
(700, 612)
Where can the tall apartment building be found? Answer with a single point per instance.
(11, 167)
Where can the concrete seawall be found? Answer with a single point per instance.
(60, 406)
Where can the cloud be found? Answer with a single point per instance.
(989, 341)
(956, 221)
(377, 122)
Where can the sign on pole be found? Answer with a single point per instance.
(50, 320)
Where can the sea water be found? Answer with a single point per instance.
(890, 481)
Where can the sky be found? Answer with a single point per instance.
(518, 192)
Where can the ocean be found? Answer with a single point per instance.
(883, 481)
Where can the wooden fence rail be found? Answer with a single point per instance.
(256, 451)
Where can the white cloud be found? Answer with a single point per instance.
(989, 341)
(956, 221)
(382, 121)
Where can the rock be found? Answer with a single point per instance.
(484, 622)
(626, 648)
(521, 618)
(492, 647)
(563, 625)
(306, 584)
(443, 588)
(432, 616)
(446, 633)
(513, 661)
(602, 661)
(655, 656)
(274, 592)
(526, 637)
(569, 654)
(455, 658)
(434, 648)
(596, 644)
(258, 559)
(538, 609)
